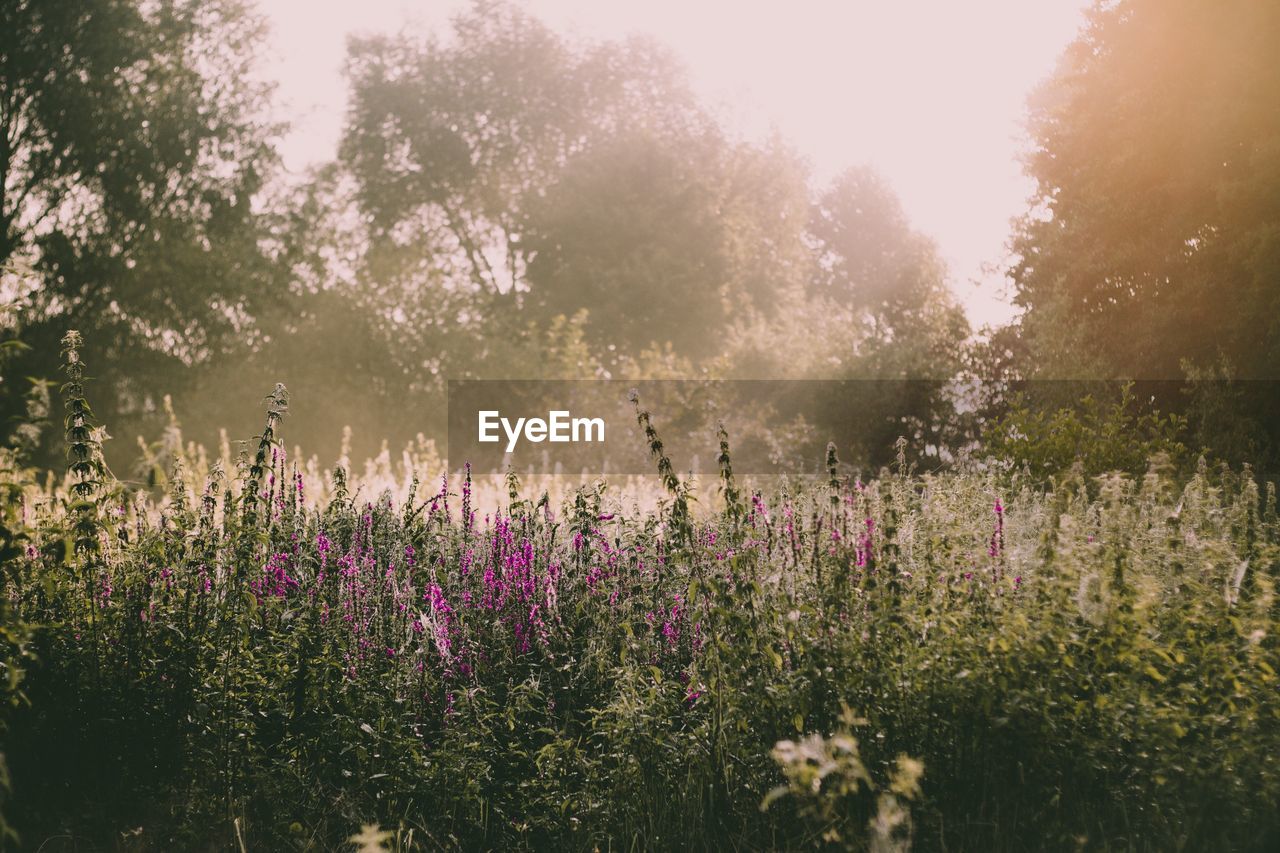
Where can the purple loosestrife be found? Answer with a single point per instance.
(995, 549)
(865, 543)
(439, 619)
(467, 516)
(996, 546)
(276, 582)
(552, 589)
(671, 626)
(443, 497)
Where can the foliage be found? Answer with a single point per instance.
(16, 541)
(876, 269)
(508, 176)
(507, 201)
(134, 156)
(1152, 237)
(251, 663)
(477, 164)
(826, 774)
(1093, 437)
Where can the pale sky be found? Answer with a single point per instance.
(929, 92)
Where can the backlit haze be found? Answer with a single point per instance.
(931, 94)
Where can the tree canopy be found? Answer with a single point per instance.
(511, 201)
(134, 151)
(505, 169)
(1154, 236)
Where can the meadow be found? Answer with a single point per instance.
(264, 654)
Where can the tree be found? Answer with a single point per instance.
(133, 150)
(887, 278)
(508, 172)
(1154, 240)
(513, 187)
(876, 311)
(668, 241)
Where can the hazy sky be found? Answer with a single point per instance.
(929, 92)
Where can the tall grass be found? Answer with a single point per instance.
(964, 660)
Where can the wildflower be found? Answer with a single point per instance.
(757, 510)
(995, 547)
(467, 515)
(670, 633)
(862, 552)
(276, 582)
(440, 619)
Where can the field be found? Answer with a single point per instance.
(274, 657)
(937, 345)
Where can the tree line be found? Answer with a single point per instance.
(509, 202)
